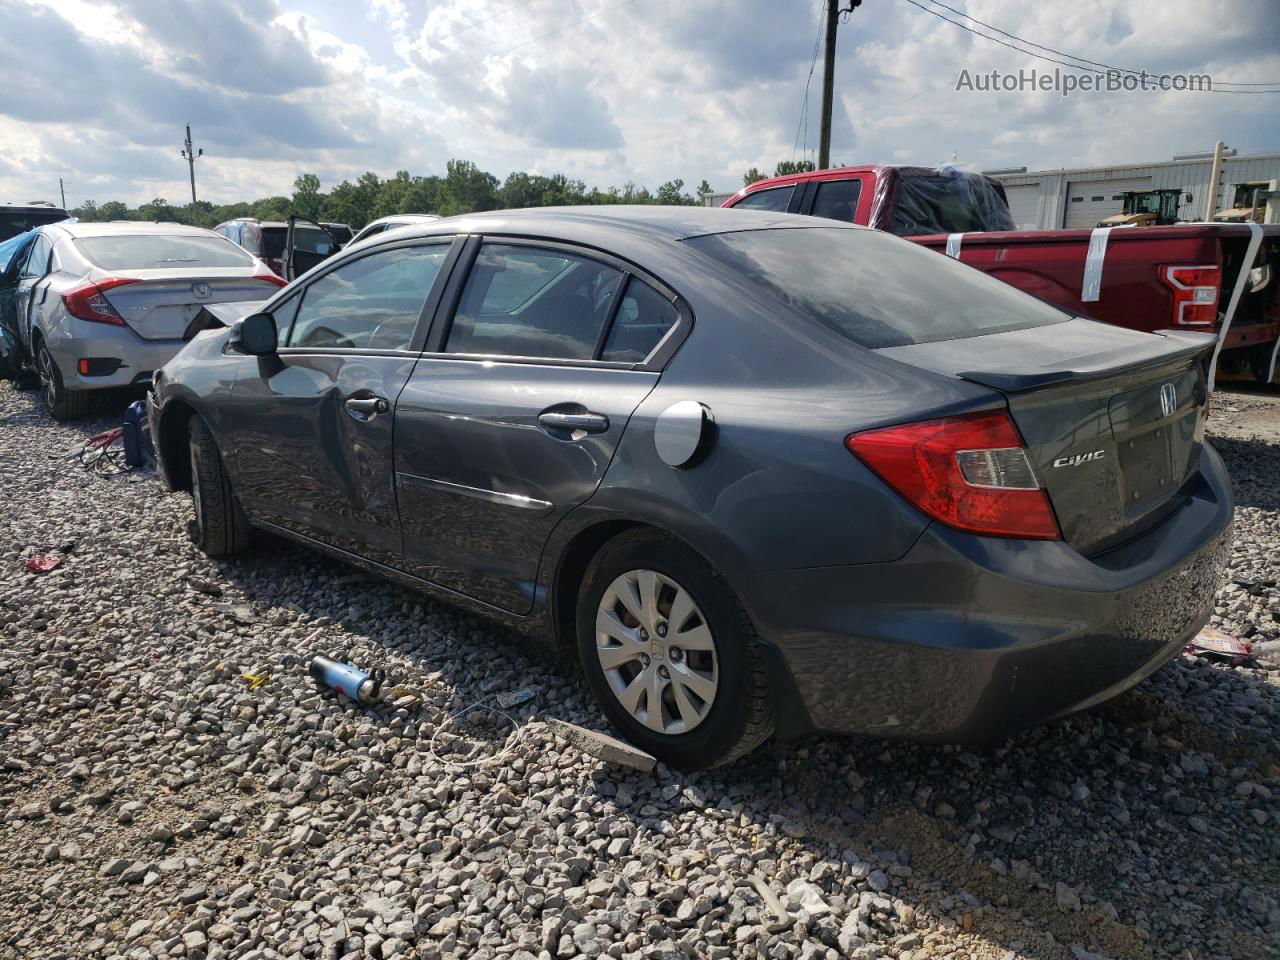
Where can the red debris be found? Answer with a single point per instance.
(43, 562)
(1215, 645)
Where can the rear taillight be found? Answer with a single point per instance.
(969, 472)
(1195, 294)
(88, 301)
(272, 278)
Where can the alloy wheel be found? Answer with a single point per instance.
(48, 377)
(656, 651)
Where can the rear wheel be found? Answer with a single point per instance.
(63, 404)
(220, 526)
(669, 653)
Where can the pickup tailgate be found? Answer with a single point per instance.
(1112, 418)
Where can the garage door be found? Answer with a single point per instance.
(1024, 205)
(1089, 201)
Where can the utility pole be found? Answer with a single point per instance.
(62, 190)
(191, 156)
(829, 77)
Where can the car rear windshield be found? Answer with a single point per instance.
(873, 288)
(948, 203)
(159, 252)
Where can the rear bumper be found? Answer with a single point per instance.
(138, 358)
(968, 639)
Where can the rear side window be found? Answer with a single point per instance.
(644, 316)
(368, 304)
(874, 289)
(777, 199)
(160, 252)
(837, 199)
(273, 241)
(528, 302)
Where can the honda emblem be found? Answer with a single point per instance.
(1168, 399)
(201, 291)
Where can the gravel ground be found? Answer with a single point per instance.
(155, 804)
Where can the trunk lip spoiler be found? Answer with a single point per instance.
(1187, 345)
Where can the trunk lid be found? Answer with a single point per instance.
(1112, 419)
(160, 306)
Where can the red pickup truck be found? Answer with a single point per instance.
(1216, 277)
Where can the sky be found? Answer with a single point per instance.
(609, 91)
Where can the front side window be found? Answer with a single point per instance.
(837, 199)
(777, 199)
(368, 304)
(161, 251)
(309, 238)
(529, 302)
(37, 264)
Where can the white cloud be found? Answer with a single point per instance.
(606, 90)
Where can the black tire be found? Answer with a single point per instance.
(63, 404)
(220, 527)
(739, 717)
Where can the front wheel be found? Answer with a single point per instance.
(669, 653)
(63, 404)
(220, 526)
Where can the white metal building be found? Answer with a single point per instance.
(1049, 199)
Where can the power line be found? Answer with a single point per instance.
(804, 106)
(470, 26)
(1096, 63)
(1065, 63)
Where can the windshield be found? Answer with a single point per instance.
(140, 252)
(874, 289)
(13, 246)
(16, 220)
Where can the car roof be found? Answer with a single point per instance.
(589, 224)
(405, 218)
(117, 228)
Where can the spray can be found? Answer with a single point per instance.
(354, 682)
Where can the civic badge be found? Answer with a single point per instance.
(201, 291)
(1168, 399)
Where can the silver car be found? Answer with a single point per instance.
(100, 305)
(393, 222)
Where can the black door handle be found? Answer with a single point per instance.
(367, 406)
(572, 422)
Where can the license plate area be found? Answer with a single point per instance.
(1147, 469)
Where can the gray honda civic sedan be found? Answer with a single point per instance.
(760, 473)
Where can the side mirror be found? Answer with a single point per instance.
(257, 334)
(1188, 198)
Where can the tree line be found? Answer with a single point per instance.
(464, 188)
